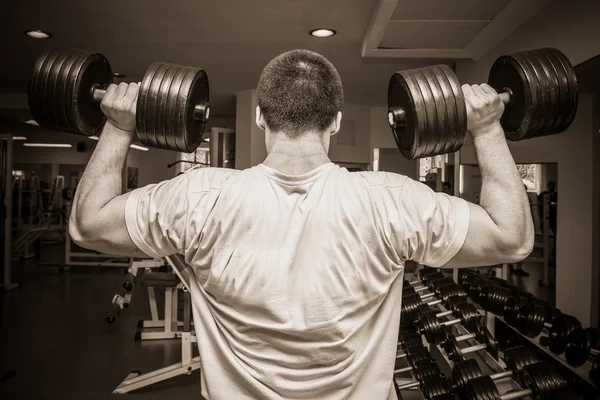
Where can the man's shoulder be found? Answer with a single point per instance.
(205, 178)
(382, 178)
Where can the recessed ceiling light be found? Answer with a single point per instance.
(37, 34)
(46, 145)
(135, 146)
(206, 139)
(31, 122)
(119, 75)
(322, 32)
(19, 138)
(94, 137)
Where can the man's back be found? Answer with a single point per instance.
(300, 278)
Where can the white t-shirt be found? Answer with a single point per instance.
(299, 277)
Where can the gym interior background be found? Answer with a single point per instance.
(53, 331)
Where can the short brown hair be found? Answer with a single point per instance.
(299, 91)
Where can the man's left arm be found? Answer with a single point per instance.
(102, 216)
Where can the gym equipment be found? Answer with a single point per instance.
(594, 373)
(66, 87)
(428, 114)
(420, 368)
(414, 354)
(466, 370)
(517, 358)
(411, 305)
(433, 387)
(466, 314)
(118, 303)
(558, 332)
(581, 343)
(541, 380)
(483, 336)
(456, 353)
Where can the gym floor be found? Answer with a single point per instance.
(53, 334)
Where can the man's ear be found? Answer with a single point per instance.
(260, 119)
(337, 123)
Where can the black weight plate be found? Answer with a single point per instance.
(461, 108)
(426, 137)
(543, 110)
(152, 103)
(578, 347)
(464, 371)
(172, 107)
(553, 89)
(560, 330)
(444, 74)
(436, 107)
(482, 388)
(33, 89)
(533, 85)
(194, 91)
(70, 84)
(563, 89)
(506, 72)
(164, 99)
(404, 94)
(55, 93)
(65, 90)
(45, 91)
(573, 88)
(89, 117)
(142, 100)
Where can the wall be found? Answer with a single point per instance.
(390, 160)
(351, 144)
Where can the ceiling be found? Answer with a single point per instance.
(234, 39)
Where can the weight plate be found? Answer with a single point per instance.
(516, 358)
(140, 116)
(194, 92)
(426, 136)
(436, 107)
(461, 107)
(172, 107)
(55, 93)
(33, 90)
(482, 388)
(95, 71)
(573, 88)
(71, 97)
(152, 104)
(450, 131)
(507, 72)
(44, 91)
(543, 110)
(403, 94)
(578, 347)
(64, 88)
(164, 98)
(534, 86)
(464, 371)
(564, 97)
(553, 88)
(560, 330)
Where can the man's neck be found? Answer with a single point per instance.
(296, 157)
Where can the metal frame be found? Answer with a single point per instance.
(7, 167)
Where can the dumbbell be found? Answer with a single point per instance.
(412, 306)
(423, 274)
(541, 380)
(594, 373)
(118, 303)
(581, 343)
(486, 342)
(430, 326)
(66, 87)
(418, 366)
(558, 332)
(414, 354)
(517, 358)
(466, 370)
(428, 115)
(433, 387)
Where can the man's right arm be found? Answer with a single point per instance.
(501, 227)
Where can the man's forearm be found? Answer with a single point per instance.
(102, 180)
(502, 194)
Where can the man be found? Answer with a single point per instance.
(517, 268)
(299, 263)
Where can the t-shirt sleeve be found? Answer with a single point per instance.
(432, 226)
(156, 217)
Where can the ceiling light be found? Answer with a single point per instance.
(47, 145)
(119, 75)
(206, 139)
(135, 146)
(37, 34)
(322, 32)
(32, 122)
(94, 137)
(19, 138)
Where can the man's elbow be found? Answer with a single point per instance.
(80, 235)
(521, 247)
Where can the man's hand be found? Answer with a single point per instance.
(484, 109)
(118, 104)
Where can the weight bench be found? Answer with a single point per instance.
(170, 324)
(188, 364)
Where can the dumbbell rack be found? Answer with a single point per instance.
(488, 364)
(583, 371)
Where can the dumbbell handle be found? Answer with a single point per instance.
(200, 110)
(516, 395)
(472, 349)
(409, 385)
(401, 370)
